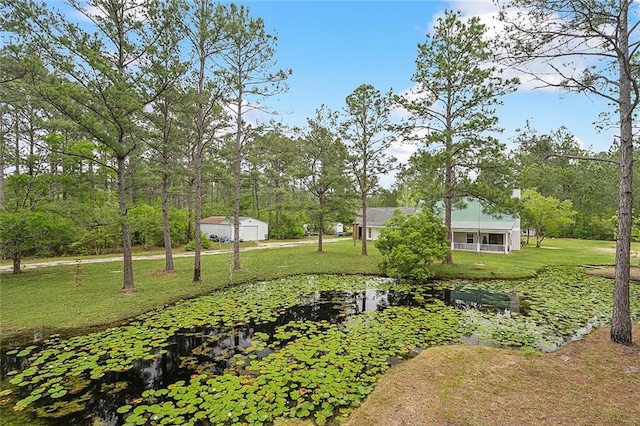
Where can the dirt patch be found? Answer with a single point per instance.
(604, 249)
(592, 381)
(610, 272)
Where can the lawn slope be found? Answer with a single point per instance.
(589, 382)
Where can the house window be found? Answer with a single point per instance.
(369, 234)
(496, 239)
(469, 238)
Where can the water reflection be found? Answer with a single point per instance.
(482, 300)
(212, 349)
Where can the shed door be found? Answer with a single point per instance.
(250, 233)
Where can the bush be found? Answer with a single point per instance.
(146, 225)
(602, 229)
(205, 243)
(179, 225)
(288, 229)
(28, 233)
(410, 244)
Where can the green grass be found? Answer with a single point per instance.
(68, 297)
(529, 260)
(137, 252)
(57, 298)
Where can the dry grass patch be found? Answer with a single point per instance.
(610, 272)
(589, 382)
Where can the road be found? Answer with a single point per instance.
(261, 245)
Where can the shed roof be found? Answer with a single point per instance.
(226, 220)
(213, 220)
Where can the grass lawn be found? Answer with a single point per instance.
(530, 259)
(588, 382)
(54, 299)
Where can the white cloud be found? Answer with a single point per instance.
(252, 114)
(134, 8)
(538, 74)
(413, 94)
(400, 112)
(402, 150)
(580, 142)
(474, 7)
(486, 10)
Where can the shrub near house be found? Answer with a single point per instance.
(409, 244)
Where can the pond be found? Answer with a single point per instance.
(306, 347)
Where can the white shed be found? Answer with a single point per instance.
(250, 229)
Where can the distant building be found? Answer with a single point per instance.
(376, 218)
(221, 226)
(472, 228)
(475, 230)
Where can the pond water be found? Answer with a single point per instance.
(308, 347)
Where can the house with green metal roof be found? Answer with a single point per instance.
(474, 229)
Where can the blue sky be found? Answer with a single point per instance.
(334, 46)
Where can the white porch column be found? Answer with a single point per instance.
(505, 241)
(478, 241)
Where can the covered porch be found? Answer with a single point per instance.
(493, 241)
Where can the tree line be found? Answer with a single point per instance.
(139, 113)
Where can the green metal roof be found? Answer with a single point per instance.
(474, 217)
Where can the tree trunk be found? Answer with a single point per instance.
(621, 326)
(127, 248)
(53, 171)
(364, 225)
(2, 165)
(132, 179)
(197, 269)
(190, 208)
(236, 187)
(278, 205)
(16, 159)
(321, 229)
(91, 180)
(256, 195)
(16, 262)
(200, 132)
(448, 206)
(166, 231)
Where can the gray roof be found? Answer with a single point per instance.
(377, 216)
